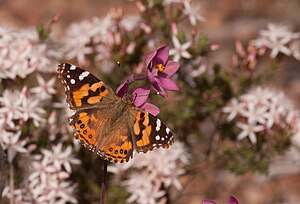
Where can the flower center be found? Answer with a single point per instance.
(160, 67)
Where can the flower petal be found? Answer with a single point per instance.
(140, 95)
(155, 84)
(171, 68)
(233, 200)
(151, 77)
(163, 54)
(122, 89)
(175, 41)
(152, 109)
(208, 202)
(149, 58)
(168, 84)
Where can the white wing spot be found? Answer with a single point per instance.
(158, 124)
(68, 76)
(167, 130)
(157, 137)
(162, 139)
(72, 67)
(83, 75)
(72, 81)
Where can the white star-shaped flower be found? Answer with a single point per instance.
(180, 50)
(45, 88)
(278, 38)
(233, 109)
(193, 12)
(249, 130)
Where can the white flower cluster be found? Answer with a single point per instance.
(279, 39)
(16, 108)
(47, 180)
(19, 105)
(97, 36)
(157, 171)
(21, 53)
(24, 101)
(80, 37)
(259, 110)
(193, 12)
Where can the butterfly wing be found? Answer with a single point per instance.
(100, 131)
(95, 121)
(149, 132)
(83, 89)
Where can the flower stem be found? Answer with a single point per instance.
(141, 76)
(103, 188)
(11, 183)
(2, 163)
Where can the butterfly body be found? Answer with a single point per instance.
(107, 124)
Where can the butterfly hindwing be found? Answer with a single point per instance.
(83, 121)
(113, 143)
(118, 143)
(149, 132)
(82, 88)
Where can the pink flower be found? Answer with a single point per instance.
(232, 200)
(159, 69)
(139, 95)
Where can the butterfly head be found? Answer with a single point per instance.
(128, 99)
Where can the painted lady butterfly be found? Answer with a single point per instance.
(106, 123)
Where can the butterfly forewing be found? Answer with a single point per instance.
(82, 88)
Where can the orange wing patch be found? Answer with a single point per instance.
(118, 153)
(149, 132)
(142, 122)
(85, 132)
(90, 94)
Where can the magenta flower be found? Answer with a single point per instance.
(160, 69)
(208, 202)
(123, 89)
(232, 200)
(140, 96)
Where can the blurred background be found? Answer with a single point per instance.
(226, 22)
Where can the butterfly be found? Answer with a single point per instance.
(107, 124)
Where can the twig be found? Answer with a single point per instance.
(2, 177)
(103, 187)
(11, 183)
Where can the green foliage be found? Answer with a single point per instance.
(43, 32)
(245, 159)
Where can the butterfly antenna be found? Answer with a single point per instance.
(154, 93)
(119, 68)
